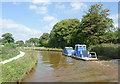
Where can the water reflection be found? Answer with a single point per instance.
(52, 66)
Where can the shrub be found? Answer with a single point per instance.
(107, 50)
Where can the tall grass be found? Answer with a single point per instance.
(8, 51)
(15, 71)
(106, 50)
(0, 52)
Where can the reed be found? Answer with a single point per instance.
(109, 50)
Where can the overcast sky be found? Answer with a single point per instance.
(31, 19)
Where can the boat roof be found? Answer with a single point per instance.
(80, 45)
(68, 47)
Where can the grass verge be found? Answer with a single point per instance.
(44, 48)
(16, 70)
(8, 51)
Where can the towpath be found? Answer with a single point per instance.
(14, 58)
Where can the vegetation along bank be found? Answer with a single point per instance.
(43, 49)
(8, 51)
(106, 50)
(16, 70)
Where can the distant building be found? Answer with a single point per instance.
(32, 44)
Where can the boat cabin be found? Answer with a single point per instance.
(81, 51)
(69, 51)
(79, 47)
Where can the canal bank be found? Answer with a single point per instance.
(53, 67)
(15, 71)
(14, 58)
(42, 49)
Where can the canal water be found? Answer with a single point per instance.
(53, 67)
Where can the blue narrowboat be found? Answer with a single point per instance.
(81, 52)
(68, 51)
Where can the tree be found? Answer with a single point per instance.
(32, 40)
(117, 36)
(62, 33)
(96, 24)
(7, 38)
(43, 40)
(35, 41)
(1, 40)
(20, 42)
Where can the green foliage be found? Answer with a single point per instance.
(32, 40)
(62, 33)
(15, 71)
(11, 45)
(43, 40)
(94, 28)
(7, 38)
(106, 50)
(96, 25)
(21, 43)
(42, 48)
(8, 51)
(1, 40)
(112, 36)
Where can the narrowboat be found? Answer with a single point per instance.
(82, 53)
(68, 51)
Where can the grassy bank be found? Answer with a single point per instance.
(15, 71)
(43, 48)
(8, 51)
(107, 50)
(0, 52)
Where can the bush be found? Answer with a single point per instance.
(11, 45)
(107, 50)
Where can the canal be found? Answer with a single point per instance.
(53, 67)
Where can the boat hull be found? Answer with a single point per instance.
(85, 58)
(66, 55)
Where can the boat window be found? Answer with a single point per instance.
(80, 46)
(83, 46)
(69, 48)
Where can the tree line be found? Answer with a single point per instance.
(94, 28)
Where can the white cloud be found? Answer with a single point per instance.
(78, 5)
(50, 26)
(40, 6)
(41, 1)
(53, 20)
(39, 10)
(33, 7)
(50, 18)
(19, 31)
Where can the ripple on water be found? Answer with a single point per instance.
(54, 67)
